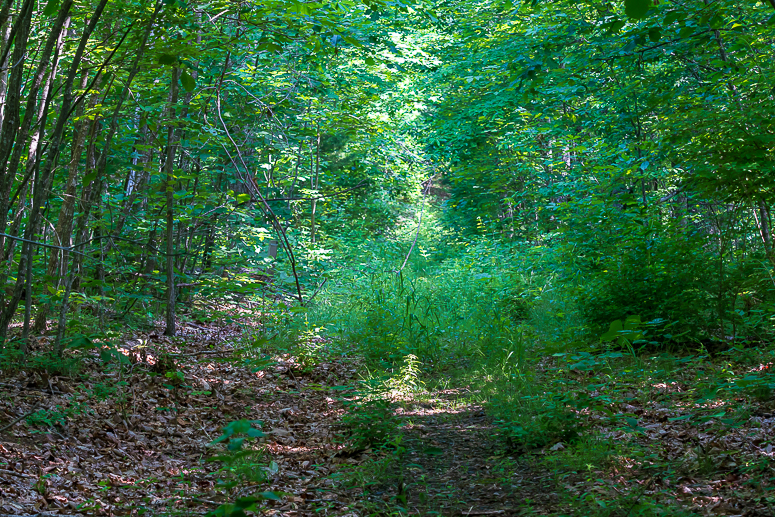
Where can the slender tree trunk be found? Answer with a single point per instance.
(315, 186)
(4, 36)
(11, 106)
(33, 154)
(169, 170)
(43, 185)
(89, 197)
(63, 233)
(763, 222)
(138, 177)
(102, 161)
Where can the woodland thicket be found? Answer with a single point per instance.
(561, 209)
(156, 152)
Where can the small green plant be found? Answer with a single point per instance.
(408, 378)
(52, 364)
(57, 417)
(553, 423)
(10, 357)
(241, 466)
(40, 485)
(370, 423)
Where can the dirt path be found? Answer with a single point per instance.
(454, 464)
(133, 440)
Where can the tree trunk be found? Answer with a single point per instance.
(315, 186)
(63, 233)
(33, 153)
(34, 219)
(169, 163)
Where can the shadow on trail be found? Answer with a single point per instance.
(450, 461)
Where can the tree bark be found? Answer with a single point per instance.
(169, 171)
(33, 153)
(57, 267)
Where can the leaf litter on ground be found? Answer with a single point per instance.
(135, 441)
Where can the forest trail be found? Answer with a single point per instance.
(138, 442)
(453, 462)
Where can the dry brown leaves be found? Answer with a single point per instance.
(129, 442)
(710, 457)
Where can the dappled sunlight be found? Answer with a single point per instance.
(665, 387)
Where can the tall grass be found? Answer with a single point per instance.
(443, 313)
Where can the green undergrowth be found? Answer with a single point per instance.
(445, 315)
(590, 417)
(575, 395)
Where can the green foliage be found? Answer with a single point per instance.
(241, 466)
(234, 431)
(541, 423)
(54, 365)
(636, 8)
(57, 417)
(438, 313)
(664, 278)
(243, 504)
(370, 423)
(408, 378)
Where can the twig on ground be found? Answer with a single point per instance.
(202, 352)
(33, 388)
(34, 409)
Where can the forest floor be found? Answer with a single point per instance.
(134, 440)
(128, 430)
(451, 461)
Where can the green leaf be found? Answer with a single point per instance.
(89, 178)
(636, 9)
(106, 355)
(632, 322)
(613, 332)
(81, 342)
(187, 81)
(270, 46)
(51, 8)
(168, 59)
(235, 444)
(433, 451)
(676, 419)
(674, 16)
(616, 26)
(370, 61)
(246, 503)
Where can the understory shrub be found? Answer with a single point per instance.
(437, 313)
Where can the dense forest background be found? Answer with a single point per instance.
(459, 190)
(152, 153)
